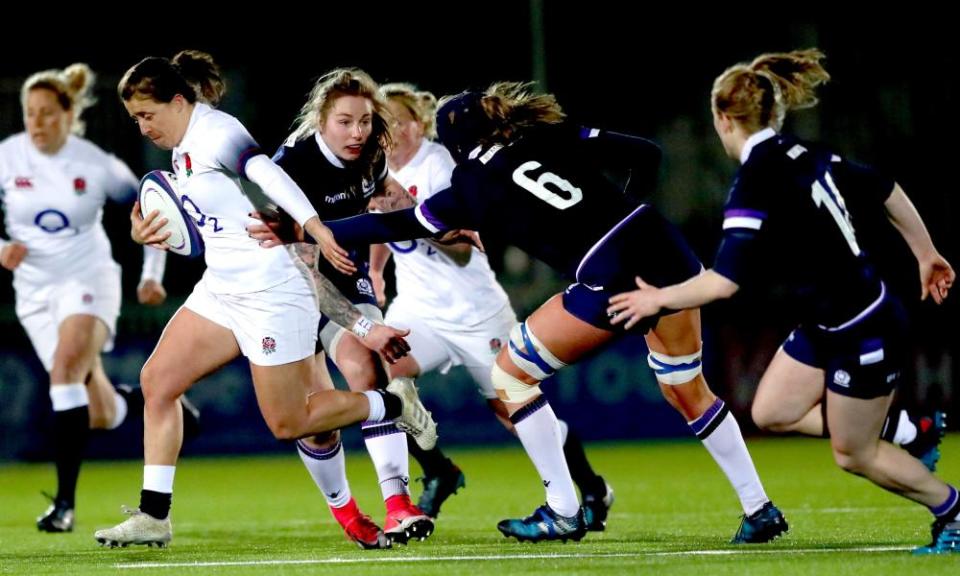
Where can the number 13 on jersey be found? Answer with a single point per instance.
(830, 197)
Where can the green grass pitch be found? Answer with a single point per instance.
(674, 514)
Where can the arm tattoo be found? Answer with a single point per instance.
(331, 302)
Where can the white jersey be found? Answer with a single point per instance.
(209, 163)
(53, 204)
(429, 284)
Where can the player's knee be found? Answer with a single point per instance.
(360, 378)
(511, 389)
(70, 364)
(361, 369)
(853, 459)
(99, 420)
(849, 462)
(768, 420)
(152, 384)
(529, 354)
(284, 427)
(761, 417)
(675, 370)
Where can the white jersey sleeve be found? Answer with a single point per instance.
(154, 264)
(211, 163)
(233, 146)
(280, 188)
(120, 183)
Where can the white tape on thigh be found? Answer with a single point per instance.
(674, 370)
(530, 355)
(510, 389)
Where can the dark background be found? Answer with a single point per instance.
(891, 103)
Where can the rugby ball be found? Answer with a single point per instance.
(158, 191)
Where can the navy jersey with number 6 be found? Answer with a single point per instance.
(550, 193)
(787, 211)
(544, 193)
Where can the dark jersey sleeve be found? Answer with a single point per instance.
(635, 160)
(443, 211)
(865, 190)
(461, 205)
(859, 183)
(377, 228)
(744, 217)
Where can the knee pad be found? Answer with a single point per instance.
(675, 370)
(511, 389)
(530, 355)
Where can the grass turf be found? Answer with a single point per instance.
(674, 514)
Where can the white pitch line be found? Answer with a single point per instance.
(497, 557)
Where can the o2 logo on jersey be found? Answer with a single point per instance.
(51, 221)
(539, 188)
(193, 210)
(401, 249)
(408, 246)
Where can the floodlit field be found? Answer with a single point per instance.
(674, 513)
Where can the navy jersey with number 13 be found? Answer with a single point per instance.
(789, 195)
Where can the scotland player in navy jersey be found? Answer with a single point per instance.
(336, 155)
(789, 195)
(449, 299)
(529, 176)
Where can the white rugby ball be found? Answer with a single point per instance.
(158, 191)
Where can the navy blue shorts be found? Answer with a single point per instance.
(861, 361)
(643, 244)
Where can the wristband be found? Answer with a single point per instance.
(362, 327)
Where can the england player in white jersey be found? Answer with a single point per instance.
(53, 185)
(449, 298)
(254, 302)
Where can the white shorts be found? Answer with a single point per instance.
(331, 333)
(272, 327)
(43, 308)
(440, 347)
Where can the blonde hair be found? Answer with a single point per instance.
(421, 104)
(73, 87)
(760, 94)
(191, 73)
(514, 107)
(326, 91)
(510, 107)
